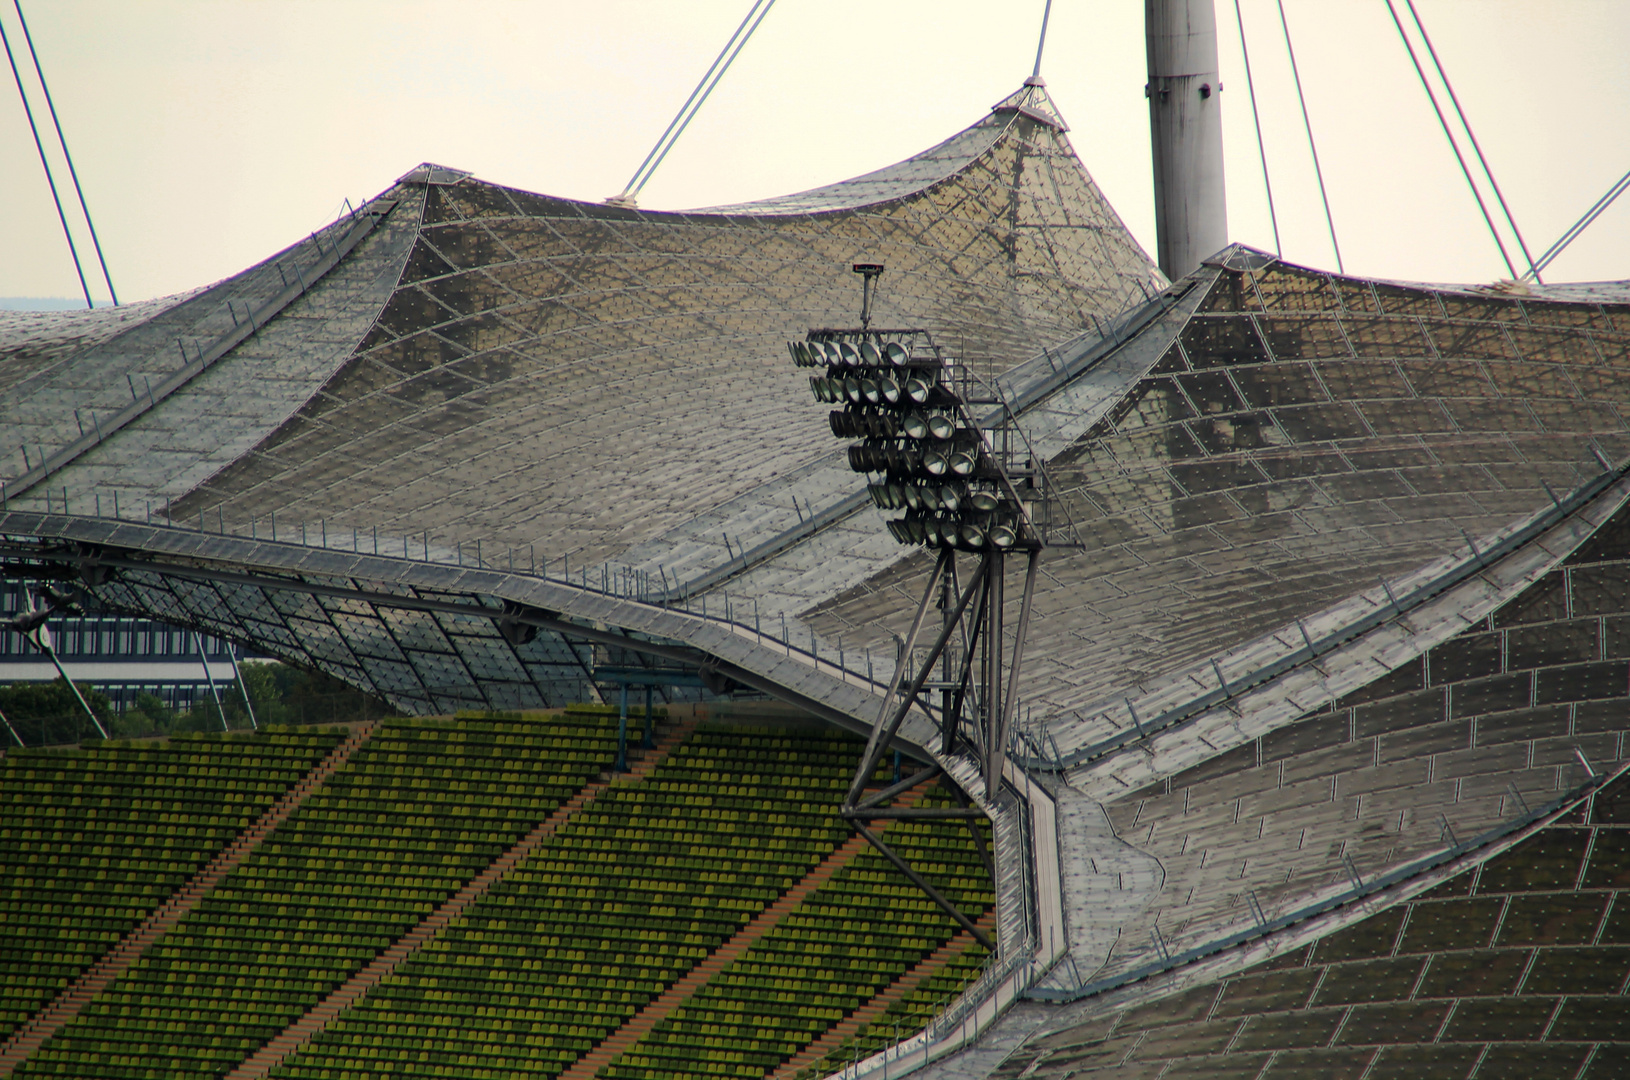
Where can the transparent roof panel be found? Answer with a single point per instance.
(1308, 436)
(578, 379)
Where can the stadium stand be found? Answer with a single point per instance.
(841, 947)
(900, 1012)
(92, 840)
(67, 1005)
(419, 810)
(268, 1057)
(646, 882)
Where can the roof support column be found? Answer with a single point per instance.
(1185, 127)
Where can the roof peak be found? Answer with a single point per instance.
(1032, 100)
(431, 173)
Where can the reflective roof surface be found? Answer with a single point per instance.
(1338, 603)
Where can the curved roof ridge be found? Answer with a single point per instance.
(915, 173)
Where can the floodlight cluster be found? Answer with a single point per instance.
(915, 433)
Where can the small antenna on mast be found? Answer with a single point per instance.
(867, 271)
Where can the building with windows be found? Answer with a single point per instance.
(119, 656)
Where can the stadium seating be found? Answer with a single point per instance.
(905, 1017)
(838, 949)
(92, 840)
(652, 876)
(417, 811)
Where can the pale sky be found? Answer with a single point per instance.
(209, 134)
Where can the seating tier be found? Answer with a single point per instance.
(649, 879)
(92, 840)
(841, 947)
(417, 811)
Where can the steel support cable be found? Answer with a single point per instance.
(1472, 135)
(1443, 122)
(1312, 146)
(1582, 224)
(46, 165)
(698, 97)
(686, 106)
(1046, 14)
(1261, 148)
(51, 105)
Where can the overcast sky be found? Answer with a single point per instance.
(209, 134)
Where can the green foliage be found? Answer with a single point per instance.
(46, 714)
(32, 701)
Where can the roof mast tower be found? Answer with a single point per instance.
(1185, 122)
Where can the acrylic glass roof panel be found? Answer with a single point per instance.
(582, 378)
(892, 182)
(1472, 736)
(34, 342)
(1306, 437)
(173, 397)
(916, 172)
(420, 661)
(1514, 968)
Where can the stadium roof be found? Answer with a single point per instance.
(1330, 609)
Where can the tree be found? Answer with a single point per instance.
(49, 712)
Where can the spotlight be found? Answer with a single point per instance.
(911, 432)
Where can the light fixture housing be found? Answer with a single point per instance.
(904, 407)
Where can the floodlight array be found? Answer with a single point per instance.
(915, 437)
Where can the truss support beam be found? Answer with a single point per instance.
(922, 883)
(977, 612)
(875, 744)
(895, 789)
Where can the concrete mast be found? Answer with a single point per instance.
(1185, 124)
